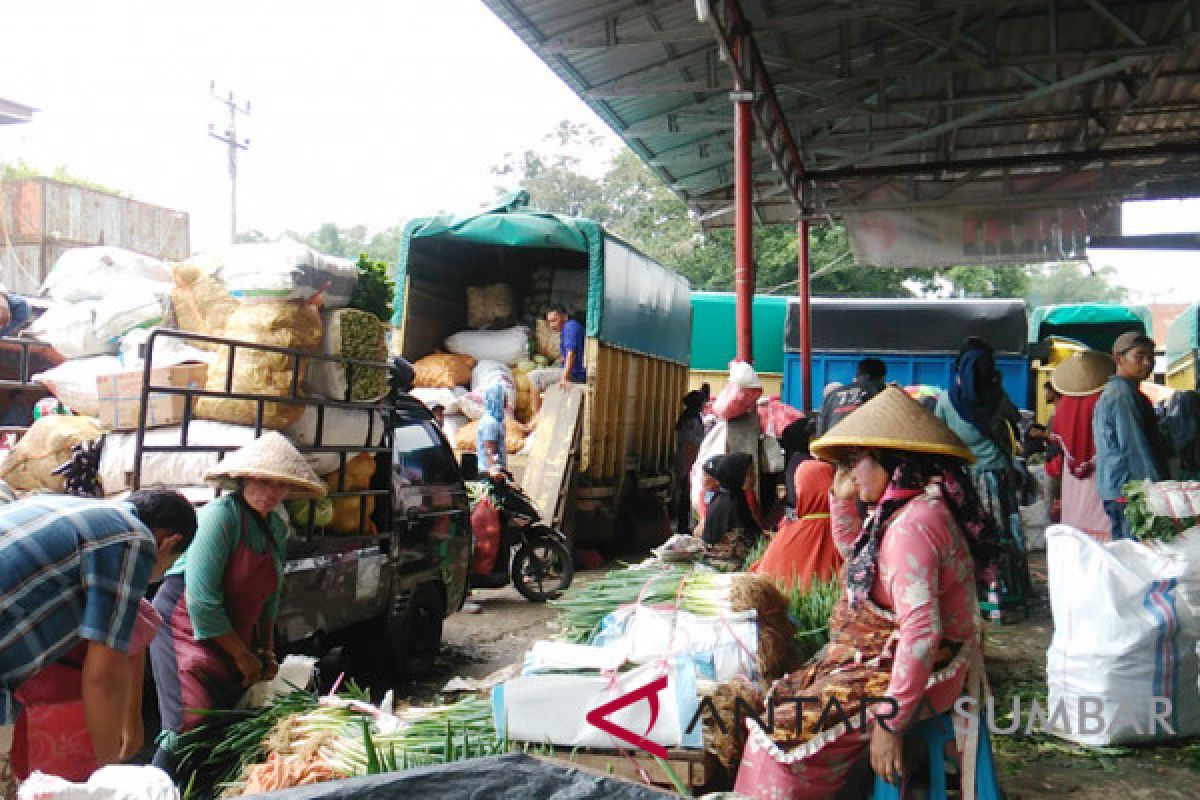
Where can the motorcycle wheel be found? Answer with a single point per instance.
(542, 569)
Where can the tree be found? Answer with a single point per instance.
(348, 242)
(1051, 284)
(632, 202)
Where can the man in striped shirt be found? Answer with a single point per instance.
(73, 570)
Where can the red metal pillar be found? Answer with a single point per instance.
(805, 314)
(743, 248)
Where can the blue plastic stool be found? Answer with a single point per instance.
(936, 732)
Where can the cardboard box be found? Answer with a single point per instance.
(120, 395)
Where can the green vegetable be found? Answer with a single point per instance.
(375, 288)
(755, 553)
(1143, 522)
(298, 511)
(705, 593)
(214, 753)
(364, 337)
(810, 609)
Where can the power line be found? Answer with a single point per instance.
(230, 138)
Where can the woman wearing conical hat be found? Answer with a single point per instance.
(219, 601)
(907, 626)
(1081, 380)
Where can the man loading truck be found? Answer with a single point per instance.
(570, 349)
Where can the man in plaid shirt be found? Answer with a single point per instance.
(73, 570)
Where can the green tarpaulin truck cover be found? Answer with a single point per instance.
(633, 301)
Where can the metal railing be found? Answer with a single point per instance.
(378, 412)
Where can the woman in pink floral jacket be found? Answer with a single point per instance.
(907, 627)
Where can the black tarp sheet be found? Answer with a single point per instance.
(510, 777)
(909, 326)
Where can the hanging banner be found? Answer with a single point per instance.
(978, 234)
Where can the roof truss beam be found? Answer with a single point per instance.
(1080, 79)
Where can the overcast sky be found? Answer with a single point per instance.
(362, 111)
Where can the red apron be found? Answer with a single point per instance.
(207, 676)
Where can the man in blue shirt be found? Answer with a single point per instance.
(570, 349)
(570, 346)
(73, 570)
(1129, 446)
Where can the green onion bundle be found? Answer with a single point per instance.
(215, 752)
(583, 609)
(810, 609)
(427, 736)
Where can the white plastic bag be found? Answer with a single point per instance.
(488, 372)
(446, 398)
(509, 346)
(342, 427)
(116, 782)
(721, 647)
(1126, 622)
(92, 273)
(713, 445)
(553, 708)
(548, 657)
(172, 470)
(296, 672)
(74, 382)
(286, 270)
(134, 304)
(70, 328)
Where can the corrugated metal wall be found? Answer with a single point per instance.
(40, 218)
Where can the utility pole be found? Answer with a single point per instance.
(229, 137)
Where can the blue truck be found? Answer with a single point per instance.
(917, 339)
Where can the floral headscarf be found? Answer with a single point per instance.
(911, 473)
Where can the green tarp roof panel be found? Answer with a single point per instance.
(510, 222)
(714, 331)
(1096, 325)
(633, 302)
(1181, 334)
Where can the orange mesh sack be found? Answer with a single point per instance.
(464, 439)
(443, 371)
(200, 303)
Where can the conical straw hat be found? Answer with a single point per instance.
(891, 420)
(1083, 373)
(270, 457)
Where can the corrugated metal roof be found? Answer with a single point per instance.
(921, 102)
(13, 113)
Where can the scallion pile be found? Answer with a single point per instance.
(582, 610)
(809, 609)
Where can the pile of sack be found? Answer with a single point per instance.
(283, 294)
(492, 350)
(718, 639)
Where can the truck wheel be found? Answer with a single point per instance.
(415, 637)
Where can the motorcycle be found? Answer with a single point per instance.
(532, 555)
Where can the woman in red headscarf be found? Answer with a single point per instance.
(804, 550)
(1080, 380)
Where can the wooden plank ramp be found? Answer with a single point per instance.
(552, 456)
